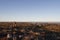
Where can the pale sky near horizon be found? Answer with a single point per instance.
(30, 10)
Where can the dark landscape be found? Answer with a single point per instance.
(29, 31)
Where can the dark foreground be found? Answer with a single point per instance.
(29, 34)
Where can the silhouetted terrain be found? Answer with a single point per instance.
(29, 31)
(46, 26)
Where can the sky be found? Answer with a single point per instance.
(30, 10)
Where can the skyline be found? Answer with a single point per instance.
(30, 10)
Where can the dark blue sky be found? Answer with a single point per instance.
(30, 10)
